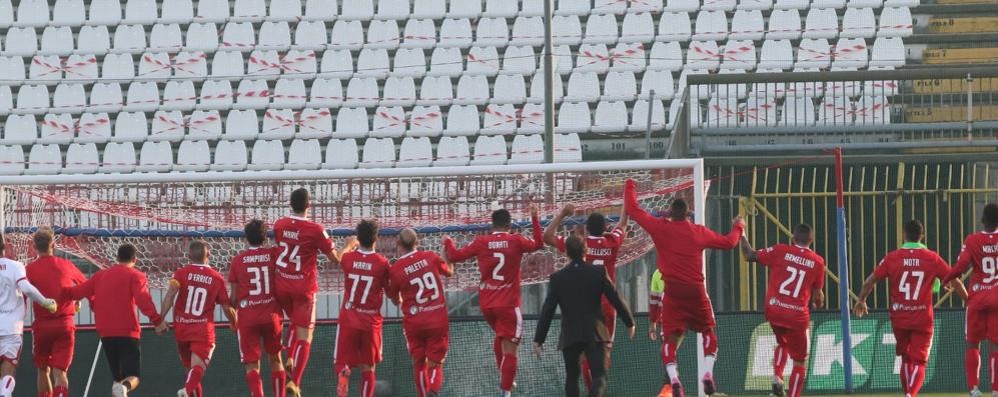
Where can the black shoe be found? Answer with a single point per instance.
(708, 386)
(677, 390)
(778, 389)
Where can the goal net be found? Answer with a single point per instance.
(161, 213)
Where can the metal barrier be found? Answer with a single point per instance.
(875, 109)
(946, 197)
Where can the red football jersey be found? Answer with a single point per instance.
(499, 257)
(115, 293)
(200, 288)
(980, 250)
(366, 276)
(793, 273)
(416, 277)
(911, 273)
(51, 275)
(252, 271)
(603, 250)
(300, 241)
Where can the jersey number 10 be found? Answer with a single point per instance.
(196, 297)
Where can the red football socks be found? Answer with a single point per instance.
(507, 371)
(992, 364)
(419, 374)
(277, 381)
(435, 378)
(193, 384)
(300, 351)
(368, 382)
(497, 350)
(905, 377)
(972, 366)
(254, 383)
(780, 358)
(586, 376)
(797, 375)
(60, 391)
(916, 375)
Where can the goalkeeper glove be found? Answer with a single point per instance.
(50, 305)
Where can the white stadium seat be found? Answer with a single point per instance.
(93, 40)
(573, 7)
(682, 6)
(266, 155)
(465, 9)
(527, 31)
(69, 98)
(828, 3)
(738, 54)
(56, 40)
(628, 57)
(537, 88)
(94, 128)
(637, 28)
(639, 116)
(722, 113)
(249, 10)
(278, 124)
(373, 62)
(341, 154)
(69, 13)
(901, 3)
(252, 94)
(851, 53)
(674, 26)
(347, 35)
(321, 10)
(409, 62)
(378, 153)
(168, 126)
(887, 51)
(463, 120)
(499, 120)
(813, 53)
(382, 34)
(567, 148)
(711, 25)
(776, 54)
(155, 157)
(859, 22)
(57, 129)
(389, 122)
(242, 125)
(792, 4)
(215, 94)
(166, 37)
(665, 56)
(315, 123)
(784, 24)
(393, 9)
(747, 25)
(81, 158)
(472, 90)
(284, 10)
(427, 121)
(419, 33)
(202, 37)
(583, 87)
(520, 60)
(500, 8)
(33, 99)
(563, 60)
(274, 35)
(490, 150)
(415, 152)
(44, 160)
(821, 23)
(451, 151)
(119, 157)
(237, 36)
(610, 117)
(130, 127)
(843, 88)
(531, 119)
(179, 95)
(446, 62)
(326, 93)
(808, 89)
(20, 42)
(660, 81)
(6, 100)
(32, 13)
(289, 92)
(210, 11)
(352, 123)
(337, 64)
(601, 29)
(104, 12)
(436, 90)
(230, 156)
(204, 125)
(483, 61)
(593, 58)
(566, 30)
(835, 111)
(760, 112)
(574, 117)
(155, 66)
(456, 33)
(176, 11)
(45, 69)
(527, 149)
(491, 32)
(895, 22)
(430, 9)
(873, 110)
(703, 55)
(311, 35)
(20, 129)
(399, 91)
(304, 155)
(363, 91)
(509, 88)
(193, 156)
(755, 5)
(616, 7)
(620, 86)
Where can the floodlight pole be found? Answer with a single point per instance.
(548, 82)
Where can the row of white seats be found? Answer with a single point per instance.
(311, 123)
(795, 111)
(809, 89)
(484, 61)
(112, 12)
(489, 32)
(196, 156)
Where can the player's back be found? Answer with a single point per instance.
(12, 305)
(500, 256)
(300, 241)
(365, 278)
(980, 252)
(200, 288)
(794, 272)
(252, 271)
(911, 273)
(416, 276)
(680, 245)
(51, 274)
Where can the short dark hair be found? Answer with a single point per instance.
(256, 232)
(913, 230)
(126, 253)
(596, 224)
(197, 251)
(367, 233)
(43, 239)
(299, 200)
(678, 209)
(803, 233)
(990, 215)
(575, 248)
(501, 218)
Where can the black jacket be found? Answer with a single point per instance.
(577, 289)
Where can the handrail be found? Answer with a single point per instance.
(801, 77)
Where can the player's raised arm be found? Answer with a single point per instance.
(712, 239)
(535, 224)
(453, 254)
(551, 232)
(747, 250)
(633, 208)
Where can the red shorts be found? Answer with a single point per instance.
(507, 322)
(795, 341)
(52, 346)
(982, 324)
(298, 307)
(202, 349)
(427, 344)
(357, 347)
(249, 340)
(913, 344)
(610, 318)
(681, 314)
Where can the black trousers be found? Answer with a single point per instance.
(595, 353)
(123, 357)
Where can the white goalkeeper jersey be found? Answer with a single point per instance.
(13, 303)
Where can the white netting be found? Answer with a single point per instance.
(92, 220)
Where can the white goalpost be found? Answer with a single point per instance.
(160, 212)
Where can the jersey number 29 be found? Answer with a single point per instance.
(427, 285)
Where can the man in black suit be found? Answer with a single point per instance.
(578, 289)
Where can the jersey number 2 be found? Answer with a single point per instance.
(196, 297)
(502, 262)
(796, 275)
